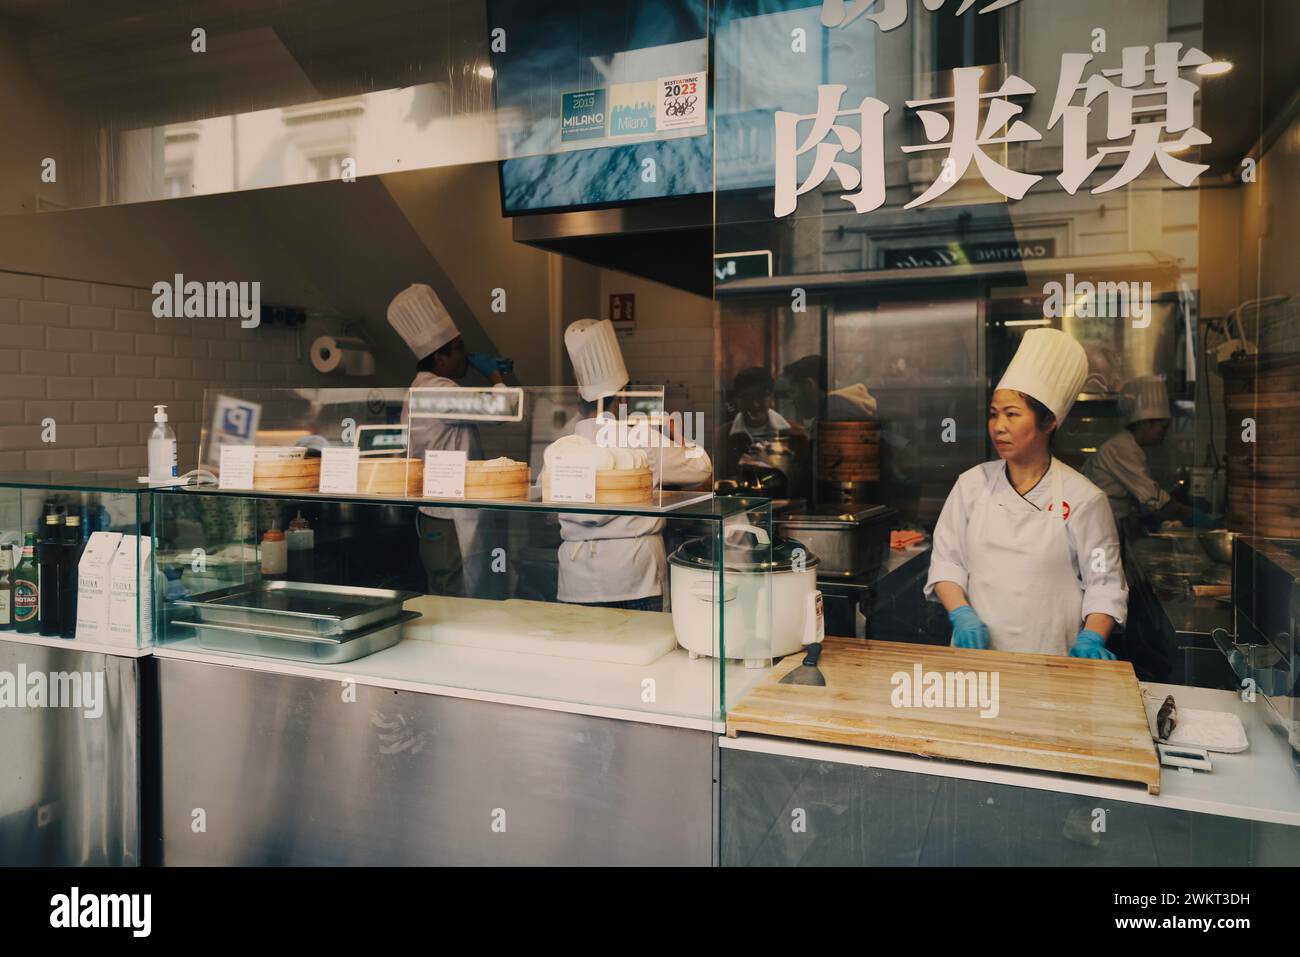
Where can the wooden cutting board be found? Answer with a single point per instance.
(1053, 713)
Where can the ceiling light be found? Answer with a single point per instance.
(1214, 68)
(486, 72)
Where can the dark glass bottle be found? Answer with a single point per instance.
(72, 549)
(49, 556)
(27, 588)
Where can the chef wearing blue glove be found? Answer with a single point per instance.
(1026, 555)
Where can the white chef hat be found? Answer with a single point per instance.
(1051, 367)
(421, 319)
(1145, 398)
(596, 356)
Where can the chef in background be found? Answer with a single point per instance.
(618, 561)
(805, 382)
(1119, 467)
(757, 420)
(455, 543)
(1026, 556)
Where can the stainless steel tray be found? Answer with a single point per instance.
(269, 643)
(305, 608)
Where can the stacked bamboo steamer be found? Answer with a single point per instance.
(616, 486)
(1264, 475)
(498, 479)
(285, 469)
(386, 476)
(848, 451)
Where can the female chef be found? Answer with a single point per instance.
(1026, 556)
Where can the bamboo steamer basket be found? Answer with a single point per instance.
(508, 483)
(1264, 475)
(848, 451)
(404, 477)
(616, 486)
(286, 475)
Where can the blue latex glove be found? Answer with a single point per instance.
(1089, 644)
(967, 629)
(488, 364)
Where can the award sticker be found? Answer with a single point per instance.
(683, 100)
(583, 115)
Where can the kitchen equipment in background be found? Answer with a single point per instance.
(1263, 498)
(1217, 543)
(338, 355)
(848, 541)
(766, 586)
(756, 481)
(304, 608)
(301, 542)
(848, 461)
(269, 642)
(775, 453)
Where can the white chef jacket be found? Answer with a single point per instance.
(477, 532)
(1119, 468)
(1088, 522)
(606, 558)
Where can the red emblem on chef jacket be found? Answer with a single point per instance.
(1065, 511)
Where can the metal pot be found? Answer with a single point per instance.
(767, 593)
(849, 541)
(1218, 544)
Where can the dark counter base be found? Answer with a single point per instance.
(875, 817)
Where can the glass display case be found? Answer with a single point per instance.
(75, 562)
(449, 539)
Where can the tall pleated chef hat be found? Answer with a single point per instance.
(421, 319)
(1145, 398)
(596, 356)
(1050, 366)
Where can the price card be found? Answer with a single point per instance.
(236, 466)
(683, 100)
(338, 470)
(573, 481)
(444, 474)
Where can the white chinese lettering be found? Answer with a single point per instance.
(867, 177)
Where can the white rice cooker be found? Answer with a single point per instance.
(768, 594)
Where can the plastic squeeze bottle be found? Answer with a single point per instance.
(162, 448)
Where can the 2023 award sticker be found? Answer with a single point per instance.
(683, 100)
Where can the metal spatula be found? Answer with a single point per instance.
(807, 673)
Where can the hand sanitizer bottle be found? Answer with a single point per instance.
(162, 448)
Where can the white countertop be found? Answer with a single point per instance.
(685, 691)
(1258, 784)
(73, 644)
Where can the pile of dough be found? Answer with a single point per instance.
(576, 448)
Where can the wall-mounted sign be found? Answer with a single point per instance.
(622, 310)
(752, 264)
(967, 254)
(486, 404)
(583, 115)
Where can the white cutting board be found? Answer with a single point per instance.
(544, 628)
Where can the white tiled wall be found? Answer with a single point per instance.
(93, 358)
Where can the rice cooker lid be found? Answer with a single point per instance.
(744, 551)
